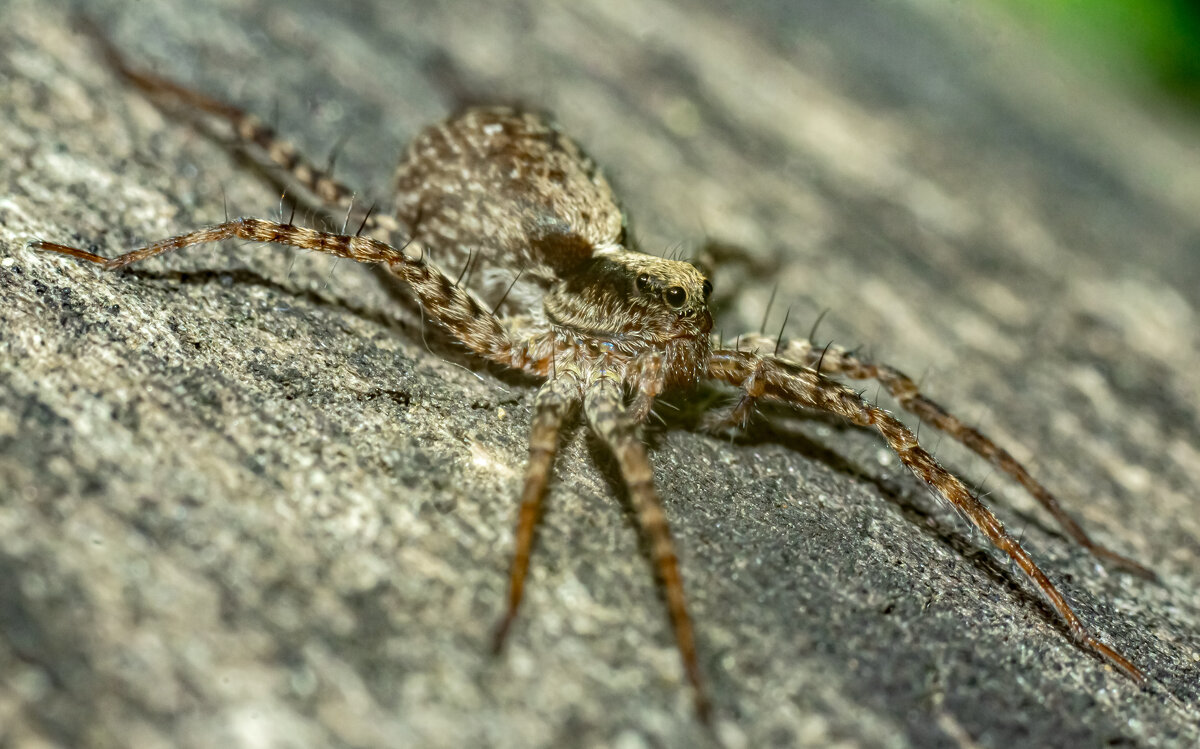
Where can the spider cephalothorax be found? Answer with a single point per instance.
(630, 307)
(633, 299)
(606, 327)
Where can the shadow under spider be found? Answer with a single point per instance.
(760, 431)
(245, 277)
(764, 431)
(410, 327)
(767, 426)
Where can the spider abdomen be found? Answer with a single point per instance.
(509, 193)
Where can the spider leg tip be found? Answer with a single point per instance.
(500, 635)
(1144, 573)
(1139, 570)
(1123, 563)
(42, 245)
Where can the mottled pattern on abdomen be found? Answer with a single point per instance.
(509, 188)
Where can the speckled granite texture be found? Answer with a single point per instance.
(243, 504)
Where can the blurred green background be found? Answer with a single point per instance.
(1146, 43)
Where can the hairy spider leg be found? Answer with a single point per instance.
(766, 376)
(837, 360)
(604, 406)
(455, 308)
(555, 401)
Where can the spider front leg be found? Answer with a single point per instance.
(453, 307)
(762, 376)
(837, 360)
(604, 405)
(553, 404)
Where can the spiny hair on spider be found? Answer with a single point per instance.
(569, 299)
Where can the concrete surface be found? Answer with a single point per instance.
(242, 502)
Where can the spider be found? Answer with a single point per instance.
(606, 327)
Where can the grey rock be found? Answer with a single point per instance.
(246, 501)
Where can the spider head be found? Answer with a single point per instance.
(632, 298)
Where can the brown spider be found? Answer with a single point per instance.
(605, 325)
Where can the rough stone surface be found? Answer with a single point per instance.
(242, 503)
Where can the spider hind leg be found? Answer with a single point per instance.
(837, 360)
(788, 383)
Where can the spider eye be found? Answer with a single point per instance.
(675, 296)
(707, 289)
(643, 283)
